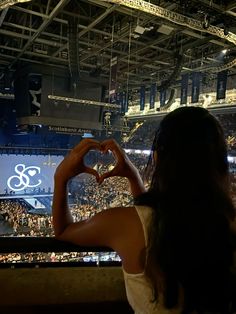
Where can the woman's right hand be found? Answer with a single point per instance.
(123, 166)
(73, 163)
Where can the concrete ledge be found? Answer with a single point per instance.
(50, 286)
(78, 308)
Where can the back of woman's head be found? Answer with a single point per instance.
(190, 149)
(190, 235)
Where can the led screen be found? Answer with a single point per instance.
(27, 174)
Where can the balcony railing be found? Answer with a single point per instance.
(49, 244)
(43, 244)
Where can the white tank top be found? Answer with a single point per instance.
(138, 289)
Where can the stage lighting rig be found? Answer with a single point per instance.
(68, 100)
(4, 4)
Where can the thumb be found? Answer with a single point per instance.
(105, 176)
(92, 172)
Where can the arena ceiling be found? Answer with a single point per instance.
(148, 47)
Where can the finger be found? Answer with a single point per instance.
(90, 145)
(92, 172)
(114, 147)
(85, 147)
(88, 140)
(118, 154)
(105, 176)
(108, 144)
(86, 143)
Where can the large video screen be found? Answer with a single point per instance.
(27, 174)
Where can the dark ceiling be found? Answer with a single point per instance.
(149, 48)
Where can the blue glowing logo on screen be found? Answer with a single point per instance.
(27, 174)
(25, 177)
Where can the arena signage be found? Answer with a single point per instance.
(68, 130)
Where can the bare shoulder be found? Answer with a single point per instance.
(110, 227)
(121, 223)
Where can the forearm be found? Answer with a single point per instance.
(61, 213)
(136, 185)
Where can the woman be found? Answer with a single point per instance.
(175, 243)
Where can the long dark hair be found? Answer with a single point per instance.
(189, 239)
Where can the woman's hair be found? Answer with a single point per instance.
(189, 238)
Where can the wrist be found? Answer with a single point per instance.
(60, 181)
(134, 175)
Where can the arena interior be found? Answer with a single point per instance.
(94, 69)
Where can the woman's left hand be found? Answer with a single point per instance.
(73, 163)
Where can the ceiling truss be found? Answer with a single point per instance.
(36, 32)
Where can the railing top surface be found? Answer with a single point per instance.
(43, 244)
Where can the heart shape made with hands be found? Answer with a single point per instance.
(101, 162)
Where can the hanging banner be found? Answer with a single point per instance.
(152, 95)
(162, 97)
(119, 100)
(28, 94)
(113, 79)
(142, 97)
(195, 87)
(123, 101)
(221, 84)
(184, 89)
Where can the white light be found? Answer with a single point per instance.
(83, 101)
(137, 151)
(87, 135)
(139, 29)
(146, 152)
(230, 159)
(224, 51)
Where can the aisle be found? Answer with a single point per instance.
(5, 228)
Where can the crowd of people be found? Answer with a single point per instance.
(21, 223)
(52, 257)
(144, 132)
(228, 124)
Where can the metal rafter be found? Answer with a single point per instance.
(89, 27)
(180, 19)
(3, 15)
(231, 6)
(43, 26)
(148, 52)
